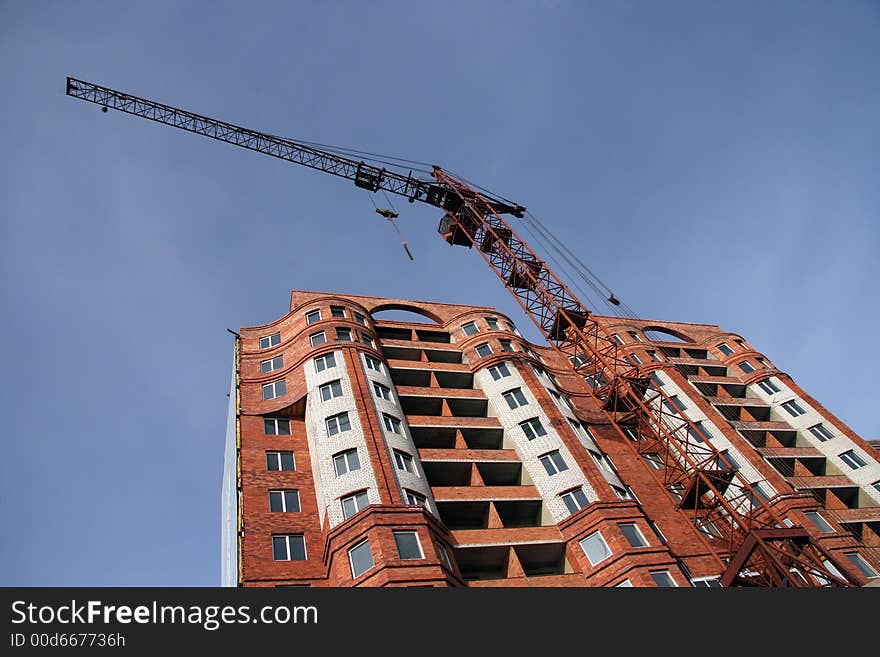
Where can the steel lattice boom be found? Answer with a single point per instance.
(364, 175)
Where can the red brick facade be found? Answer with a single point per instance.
(494, 514)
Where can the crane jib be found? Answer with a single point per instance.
(365, 176)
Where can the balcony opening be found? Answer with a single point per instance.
(483, 563)
(421, 405)
(443, 356)
(407, 377)
(433, 437)
(460, 380)
(402, 353)
(467, 407)
(501, 474)
(393, 333)
(447, 473)
(542, 559)
(464, 515)
(433, 336)
(519, 513)
(756, 413)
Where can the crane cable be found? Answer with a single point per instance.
(391, 215)
(620, 309)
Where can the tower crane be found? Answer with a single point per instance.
(758, 546)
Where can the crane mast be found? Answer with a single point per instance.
(754, 538)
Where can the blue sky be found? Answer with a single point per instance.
(712, 161)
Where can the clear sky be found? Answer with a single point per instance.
(713, 162)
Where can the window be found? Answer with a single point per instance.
(483, 350)
(656, 379)
(404, 461)
(821, 432)
(831, 569)
(492, 323)
(852, 459)
(575, 500)
(768, 386)
(598, 458)
(408, 546)
(707, 528)
(577, 361)
(657, 532)
(470, 328)
(288, 547)
(620, 492)
(345, 462)
(633, 534)
(533, 428)
(725, 349)
(578, 427)
(506, 345)
(654, 460)
(270, 341)
(701, 433)
(372, 363)
(663, 578)
(274, 389)
(414, 499)
(276, 426)
(595, 547)
(353, 503)
(382, 392)
(794, 409)
(343, 334)
(706, 582)
(625, 584)
(742, 345)
(820, 522)
(360, 319)
(313, 316)
(338, 423)
(271, 365)
(635, 336)
(317, 338)
(561, 400)
(284, 501)
(674, 404)
(676, 490)
(553, 462)
(653, 356)
(746, 367)
(499, 371)
(617, 338)
(513, 327)
(361, 558)
(330, 390)
(444, 555)
(876, 486)
(635, 360)
(280, 461)
(325, 362)
(861, 564)
(515, 398)
(367, 339)
(392, 424)
(337, 311)
(727, 462)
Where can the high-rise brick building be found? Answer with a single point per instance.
(450, 451)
